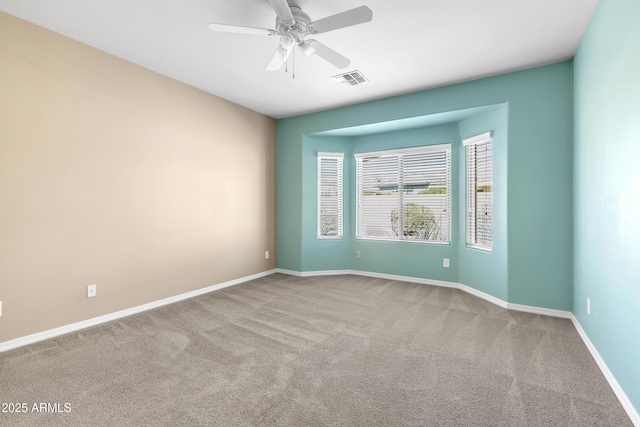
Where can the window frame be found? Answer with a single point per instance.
(400, 153)
(339, 157)
(471, 190)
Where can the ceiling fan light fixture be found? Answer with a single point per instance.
(287, 41)
(307, 49)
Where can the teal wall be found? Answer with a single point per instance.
(481, 270)
(534, 259)
(566, 206)
(404, 258)
(607, 197)
(324, 254)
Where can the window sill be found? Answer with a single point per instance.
(480, 248)
(420, 242)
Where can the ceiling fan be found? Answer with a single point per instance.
(293, 26)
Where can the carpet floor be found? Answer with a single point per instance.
(322, 351)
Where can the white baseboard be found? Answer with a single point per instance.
(620, 394)
(51, 333)
(540, 310)
(312, 273)
(289, 272)
(486, 297)
(622, 397)
(368, 274)
(419, 280)
(490, 298)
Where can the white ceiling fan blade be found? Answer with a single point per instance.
(329, 55)
(282, 10)
(242, 30)
(278, 58)
(356, 16)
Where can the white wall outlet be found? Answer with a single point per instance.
(358, 254)
(445, 262)
(266, 254)
(589, 306)
(91, 291)
(0, 308)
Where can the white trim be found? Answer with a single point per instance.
(51, 333)
(620, 394)
(478, 139)
(540, 310)
(323, 273)
(312, 273)
(418, 280)
(490, 298)
(479, 248)
(418, 242)
(326, 155)
(289, 272)
(410, 150)
(487, 297)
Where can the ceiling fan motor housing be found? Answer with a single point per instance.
(300, 27)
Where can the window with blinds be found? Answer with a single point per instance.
(479, 189)
(405, 194)
(330, 195)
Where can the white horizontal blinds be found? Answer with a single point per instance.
(471, 194)
(330, 195)
(404, 194)
(479, 191)
(378, 198)
(426, 195)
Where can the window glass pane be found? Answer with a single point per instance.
(426, 196)
(404, 196)
(480, 194)
(378, 201)
(329, 197)
(484, 193)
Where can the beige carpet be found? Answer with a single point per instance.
(326, 351)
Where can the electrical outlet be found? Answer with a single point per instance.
(0, 308)
(445, 262)
(358, 254)
(589, 306)
(91, 290)
(266, 254)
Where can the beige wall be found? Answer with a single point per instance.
(114, 175)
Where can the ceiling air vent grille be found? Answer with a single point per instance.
(352, 78)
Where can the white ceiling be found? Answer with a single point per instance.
(410, 45)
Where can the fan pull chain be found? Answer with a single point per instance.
(293, 62)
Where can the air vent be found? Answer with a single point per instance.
(352, 78)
